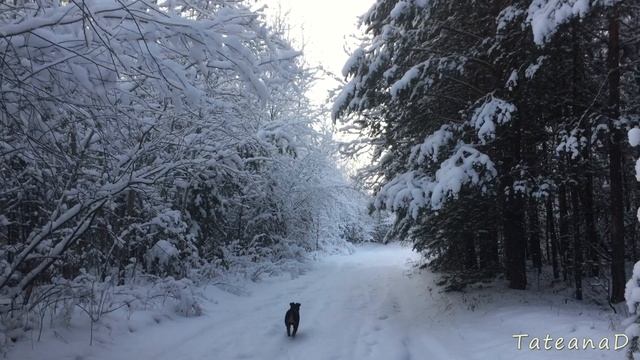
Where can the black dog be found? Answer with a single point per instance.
(292, 318)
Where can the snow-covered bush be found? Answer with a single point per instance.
(632, 297)
(632, 288)
(182, 294)
(162, 257)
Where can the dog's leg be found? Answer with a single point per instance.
(295, 329)
(289, 330)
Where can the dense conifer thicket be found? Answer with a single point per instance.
(158, 138)
(498, 130)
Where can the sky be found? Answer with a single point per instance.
(327, 29)
(324, 27)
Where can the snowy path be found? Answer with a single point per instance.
(370, 305)
(353, 307)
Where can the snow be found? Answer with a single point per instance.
(533, 68)
(634, 137)
(571, 144)
(371, 305)
(390, 72)
(430, 148)
(507, 16)
(353, 61)
(545, 16)
(632, 297)
(405, 80)
(343, 99)
(512, 81)
(162, 251)
(421, 3)
(460, 169)
(413, 190)
(632, 290)
(408, 190)
(398, 10)
(493, 111)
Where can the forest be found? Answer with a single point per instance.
(164, 158)
(142, 141)
(503, 149)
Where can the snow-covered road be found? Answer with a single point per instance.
(369, 305)
(353, 307)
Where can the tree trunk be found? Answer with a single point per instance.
(577, 242)
(514, 242)
(618, 277)
(470, 258)
(564, 228)
(534, 235)
(589, 221)
(513, 210)
(551, 228)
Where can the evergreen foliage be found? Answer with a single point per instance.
(497, 133)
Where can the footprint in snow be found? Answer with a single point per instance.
(396, 307)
